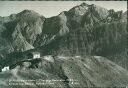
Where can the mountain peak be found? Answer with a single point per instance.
(83, 4)
(79, 10)
(27, 12)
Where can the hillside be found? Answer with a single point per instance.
(87, 71)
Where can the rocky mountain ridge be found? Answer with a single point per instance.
(87, 26)
(31, 24)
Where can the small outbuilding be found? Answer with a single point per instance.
(5, 68)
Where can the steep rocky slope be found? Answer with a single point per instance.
(21, 30)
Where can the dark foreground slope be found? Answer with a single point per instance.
(77, 71)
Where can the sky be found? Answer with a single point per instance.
(53, 8)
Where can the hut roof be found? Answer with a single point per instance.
(35, 52)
